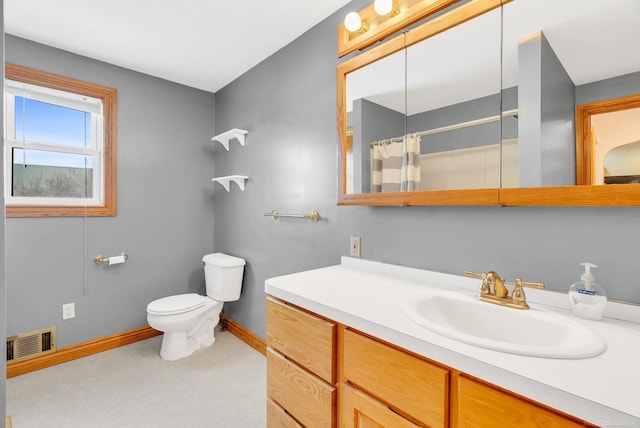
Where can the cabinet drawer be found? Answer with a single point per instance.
(278, 418)
(408, 384)
(481, 405)
(308, 399)
(362, 411)
(302, 337)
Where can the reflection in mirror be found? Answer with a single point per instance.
(375, 103)
(452, 122)
(602, 127)
(564, 63)
(617, 147)
(454, 105)
(557, 57)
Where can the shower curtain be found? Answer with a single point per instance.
(395, 165)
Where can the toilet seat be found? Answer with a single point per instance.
(178, 304)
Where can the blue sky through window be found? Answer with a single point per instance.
(38, 121)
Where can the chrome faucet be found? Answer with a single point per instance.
(499, 294)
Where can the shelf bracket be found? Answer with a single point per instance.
(226, 137)
(240, 180)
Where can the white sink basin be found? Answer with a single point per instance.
(534, 332)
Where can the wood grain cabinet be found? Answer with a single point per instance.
(278, 418)
(324, 374)
(300, 368)
(360, 410)
(409, 386)
(477, 404)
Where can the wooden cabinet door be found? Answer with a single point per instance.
(307, 398)
(408, 384)
(479, 405)
(361, 411)
(278, 418)
(304, 338)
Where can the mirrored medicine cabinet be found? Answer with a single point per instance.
(489, 102)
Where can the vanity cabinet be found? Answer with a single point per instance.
(277, 417)
(478, 404)
(385, 372)
(324, 374)
(360, 410)
(300, 368)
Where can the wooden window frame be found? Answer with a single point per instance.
(109, 100)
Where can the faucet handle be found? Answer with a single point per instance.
(475, 275)
(538, 285)
(486, 287)
(518, 291)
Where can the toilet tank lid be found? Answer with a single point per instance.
(223, 260)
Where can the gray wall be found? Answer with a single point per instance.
(371, 122)
(558, 121)
(288, 104)
(3, 288)
(614, 87)
(546, 128)
(164, 220)
(474, 136)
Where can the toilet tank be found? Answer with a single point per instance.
(223, 276)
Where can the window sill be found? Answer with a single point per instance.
(60, 211)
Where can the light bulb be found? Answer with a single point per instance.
(352, 22)
(383, 7)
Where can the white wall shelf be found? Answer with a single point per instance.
(240, 180)
(226, 137)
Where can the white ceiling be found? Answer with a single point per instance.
(205, 44)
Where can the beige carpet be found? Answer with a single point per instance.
(217, 387)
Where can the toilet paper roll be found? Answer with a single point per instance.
(114, 260)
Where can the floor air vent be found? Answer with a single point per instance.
(29, 345)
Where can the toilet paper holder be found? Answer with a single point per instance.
(101, 259)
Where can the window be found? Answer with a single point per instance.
(60, 145)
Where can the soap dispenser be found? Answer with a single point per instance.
(587, 298)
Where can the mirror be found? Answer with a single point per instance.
(607, 132)
(416, 125)
(577, 70)
(455, 113)
(617, 149)
(548, 143)
(557, 62)
(375, 115)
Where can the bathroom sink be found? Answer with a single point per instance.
(534, 332)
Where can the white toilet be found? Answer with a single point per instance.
(188, 320)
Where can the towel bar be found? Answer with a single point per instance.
(314, 216)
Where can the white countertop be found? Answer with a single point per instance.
(604, 390)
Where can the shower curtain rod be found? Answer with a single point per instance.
(455, 126)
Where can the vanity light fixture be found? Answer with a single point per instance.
(383, 18)
(384, 7)
(353, 23)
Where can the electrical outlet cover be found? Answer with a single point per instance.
(355, 246)
(68, 311)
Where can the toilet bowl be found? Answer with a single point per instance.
(189, 320)
(186, 329)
